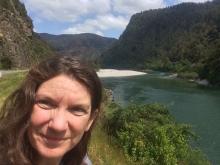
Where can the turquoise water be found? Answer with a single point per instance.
(188, 102)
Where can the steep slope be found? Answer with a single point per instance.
(19, 46)
(89, 46)
(180, 38)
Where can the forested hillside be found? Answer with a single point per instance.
(87, 45)
(184, 38)
(19, 46)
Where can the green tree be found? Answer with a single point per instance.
(211, 70)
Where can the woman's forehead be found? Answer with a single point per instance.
(63, 86)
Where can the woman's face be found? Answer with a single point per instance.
(61, 115)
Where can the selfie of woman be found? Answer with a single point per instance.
(48, 120)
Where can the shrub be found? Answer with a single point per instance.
(149, 135)
(5, 63)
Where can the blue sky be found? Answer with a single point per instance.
(107, 18)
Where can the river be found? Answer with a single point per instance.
(188, 103)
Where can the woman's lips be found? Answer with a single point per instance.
(52, 141)
(54, 138)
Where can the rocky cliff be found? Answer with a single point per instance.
(19, 46)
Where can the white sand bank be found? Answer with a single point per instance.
(118, 73)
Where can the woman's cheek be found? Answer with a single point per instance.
(79, 124)
(39, 116)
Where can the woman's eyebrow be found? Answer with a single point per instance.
(38, 97)
(74, 105)
(83, 106)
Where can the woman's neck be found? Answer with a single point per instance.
(46, 161)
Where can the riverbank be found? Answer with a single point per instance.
(190, 77)
(118, 73)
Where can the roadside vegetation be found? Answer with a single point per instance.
(8, 83)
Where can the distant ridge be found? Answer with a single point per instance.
(86, 45)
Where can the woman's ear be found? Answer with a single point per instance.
(91, 120)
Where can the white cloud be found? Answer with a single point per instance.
(130, 6)
(66, 11)
(71, 10)
(95, 16)
(196, 1)
(99, 25)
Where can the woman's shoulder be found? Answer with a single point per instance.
(86, 161)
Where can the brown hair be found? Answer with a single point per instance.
(15, 147)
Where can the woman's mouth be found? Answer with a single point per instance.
(52, 141)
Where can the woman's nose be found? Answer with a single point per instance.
(58, 121)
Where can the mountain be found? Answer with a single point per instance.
(184, 38)
(19, 46)
(87, 45)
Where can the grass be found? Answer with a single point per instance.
(8, 84)
(102, 150)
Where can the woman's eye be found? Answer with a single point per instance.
(44, 104)
(78, 111)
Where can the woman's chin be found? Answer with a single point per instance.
(50, 153)
(50, 149)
